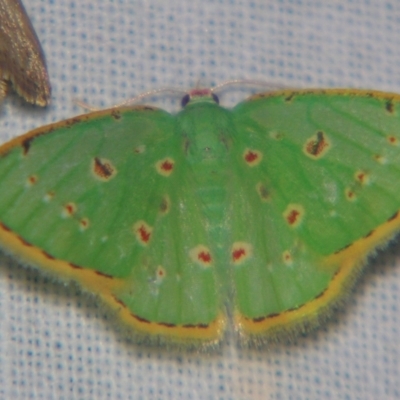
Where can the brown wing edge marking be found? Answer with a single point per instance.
(182, 334)
(26, 140)
(349, 263)
(104, 285)
(289, 95)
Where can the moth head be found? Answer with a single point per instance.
(199, 94)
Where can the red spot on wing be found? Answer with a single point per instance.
(204, 257)
(317, 145)
(251, 156)
(350, 194)
(293, 217)
(144, 234)
(238, 254)
(84, 222)
(32, 179)
(361, 177)
(167, 166)
(287, 257)
(69, 209)
(294, 214)
(160, 273)
(103, 169)
(201, 255)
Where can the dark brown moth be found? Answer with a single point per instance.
(22, 63)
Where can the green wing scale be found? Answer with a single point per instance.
(265, 213)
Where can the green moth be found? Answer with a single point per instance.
(259, 218)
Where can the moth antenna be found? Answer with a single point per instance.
(135, 99)
(232, 82)
(249, 82)
(148, 94)
(85, 106)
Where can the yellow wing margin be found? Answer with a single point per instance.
(104, 286)
(348, 262)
